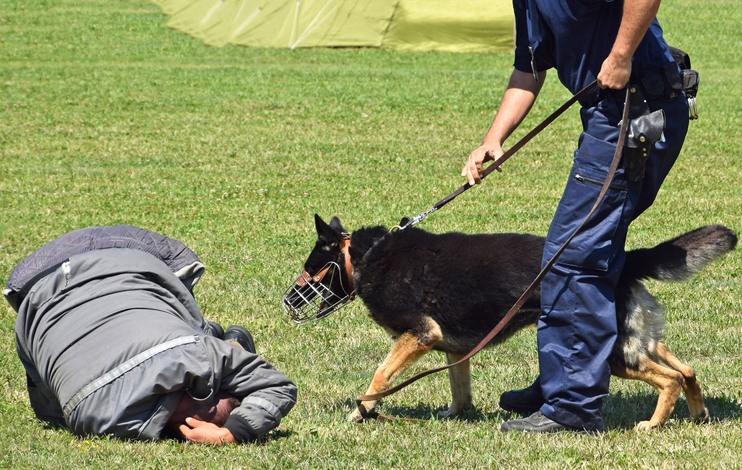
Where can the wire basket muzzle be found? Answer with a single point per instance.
(307, 300)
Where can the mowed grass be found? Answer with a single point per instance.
(107, 117)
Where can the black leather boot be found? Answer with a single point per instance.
(236, 334)
(534, 423)
(215, 329)
(524, 401)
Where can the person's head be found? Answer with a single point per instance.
(214, 411)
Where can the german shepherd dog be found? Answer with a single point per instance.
(446, 291)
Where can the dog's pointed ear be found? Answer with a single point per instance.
(337, 225)
(325, 232)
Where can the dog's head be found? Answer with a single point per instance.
(326, 282)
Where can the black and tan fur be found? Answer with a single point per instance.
(446, 291)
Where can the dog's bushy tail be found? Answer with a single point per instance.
(681, 257)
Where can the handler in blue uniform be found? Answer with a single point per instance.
(620, 44)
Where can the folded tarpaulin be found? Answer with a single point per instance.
(453, 25)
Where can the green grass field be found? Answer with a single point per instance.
(107, 116)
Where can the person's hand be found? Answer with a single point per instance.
(195, 430)
(614, 73)
(473, 168)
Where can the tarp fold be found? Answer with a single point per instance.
(454, 25)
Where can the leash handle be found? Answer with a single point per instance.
(524, 297)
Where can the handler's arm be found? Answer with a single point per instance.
(637, 16)
(517, 101)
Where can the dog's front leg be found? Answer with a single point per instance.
(459, 376)
(406, 350)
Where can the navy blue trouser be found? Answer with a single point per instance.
(577, 328)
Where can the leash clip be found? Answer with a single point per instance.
(407, 222)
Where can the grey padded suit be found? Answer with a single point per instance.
(111, 338)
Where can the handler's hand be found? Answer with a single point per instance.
(473, 168)
(614, 73)
(204, 432)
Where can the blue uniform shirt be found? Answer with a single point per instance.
(576, 36)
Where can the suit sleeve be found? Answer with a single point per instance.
(266, 395)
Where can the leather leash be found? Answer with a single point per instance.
(524, 297)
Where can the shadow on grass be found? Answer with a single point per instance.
(620, 410)
(274, 435)
(424, 412)
(624, 411)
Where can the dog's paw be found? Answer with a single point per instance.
(644, 426)
(446, 414)
(703, 417)
(453, 411)
(355, 416)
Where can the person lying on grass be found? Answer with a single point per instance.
(114, 343)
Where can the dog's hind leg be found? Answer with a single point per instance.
(459, 377)
(406, 350)
(692, 388)
(667, 382)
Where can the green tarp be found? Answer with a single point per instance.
(454, 25)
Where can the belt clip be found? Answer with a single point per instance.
(692, 109)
